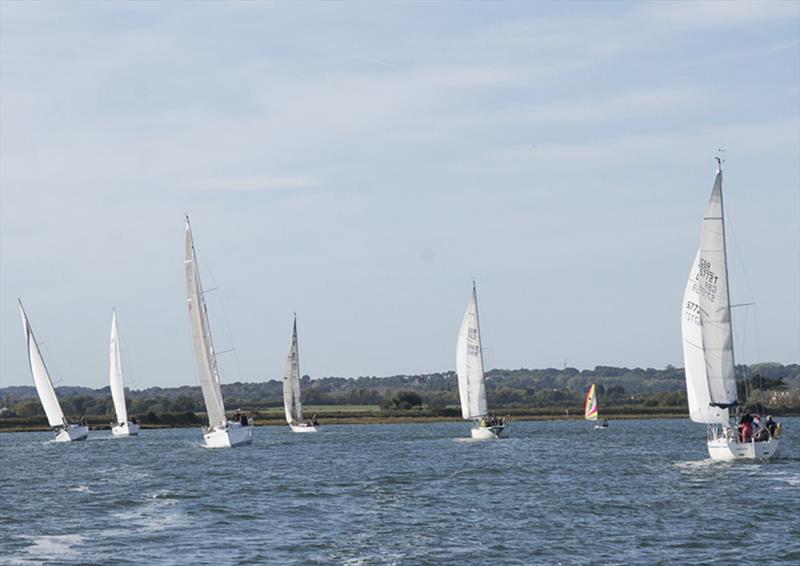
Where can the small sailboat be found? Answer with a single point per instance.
(708, 345)
(123, 426)
(65, 431)
(469, 368)
(291, 390)
(590, 409)
(220, 432)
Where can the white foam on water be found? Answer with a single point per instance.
(51, 548)
(158, 513)
(80, 489)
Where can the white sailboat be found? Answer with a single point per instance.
(65, 431)
(590, 410)
(469, 368)
(123, 426)
(708, 344)
(220, 432)
(291, 390)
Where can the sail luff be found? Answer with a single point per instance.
(201, 336)
(714, 303)
(469, 363)
(115, 373)
(291, 382)
(41, 377)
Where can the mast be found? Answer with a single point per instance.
(115, 373)
(291, 381)
(201, 336)
(727, 278)
(41, 377)
(469, 362)
(713, 305)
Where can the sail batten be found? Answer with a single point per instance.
(291, 382)
(201, 337)
(41, 377)
(469, 363)
(115, 374)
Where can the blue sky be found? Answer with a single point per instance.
(360, 163)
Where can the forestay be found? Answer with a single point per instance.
(41, 378)
(291, 382)
(469, 363)
(714, 303)
(201, 336)
(697, 387)
(115, 373)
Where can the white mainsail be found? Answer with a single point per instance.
(201, 336)
(714, 300)
(41, 378)
(697, 390)
(469, 363)
(115, 373)
(291, 382)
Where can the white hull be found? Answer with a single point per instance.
(489, 433)
(728, 449)
(127, 429)
(72, 433)
(234, 435)
(600, 426)
(302, 428)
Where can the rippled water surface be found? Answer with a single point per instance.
(555, 492)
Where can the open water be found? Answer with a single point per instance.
(556, 492)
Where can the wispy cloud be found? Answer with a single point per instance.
(255, 184)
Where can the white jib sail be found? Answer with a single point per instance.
(697, 391)
(469, 363)
(115, 373)
(291, 382)
(714, 301)
(41, 378)
(201, 336)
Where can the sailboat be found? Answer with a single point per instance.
(123, 426)
(708, 344)
(469, 368)
(220, 432)
(291, 390)
(65, 431)
(590, 409)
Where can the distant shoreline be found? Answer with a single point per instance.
(376, 419)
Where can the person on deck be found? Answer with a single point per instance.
(771, 425)
(747, 428)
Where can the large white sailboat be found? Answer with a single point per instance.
(220, 433)
(65, 431)
(708, 345)
(291, 390)
(469, 368)
(123, 426)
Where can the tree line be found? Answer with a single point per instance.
(438, 392)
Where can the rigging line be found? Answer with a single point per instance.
(227, 328)
(747, 283)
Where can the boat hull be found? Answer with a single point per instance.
(72, 433)
(490, 432)
(302, 428)
(725, 449)
(228, 437)
(127, 429)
